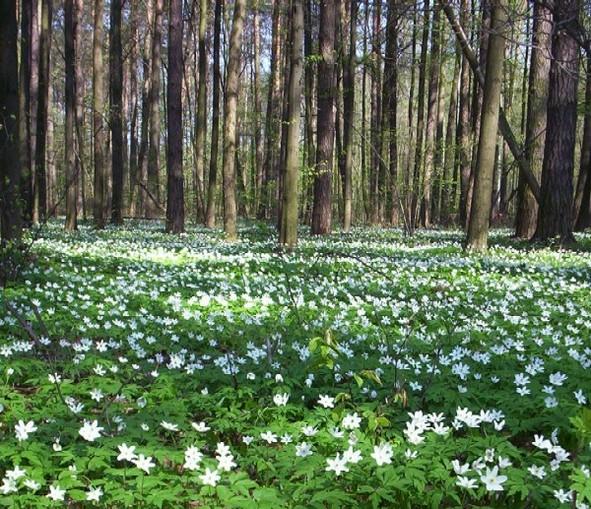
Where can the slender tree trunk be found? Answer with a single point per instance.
(98, 100)
(555, 211)
(259, 147)
(153, 201)
(349, 115)
(201, 119)
(71, 27)
(215, 129)
(376, 116)
(79, 121)
(42, 110)
(175, 202)
(10, 169)
(33, 107)
(116, 113)
(430, 146)
(232, 89)
(478, 226)
(289, 223)
(134, 68)
(527, 207)
(322, 209)
(419, 152)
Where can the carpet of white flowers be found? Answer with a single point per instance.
(139, 369)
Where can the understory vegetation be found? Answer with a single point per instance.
(139, 369)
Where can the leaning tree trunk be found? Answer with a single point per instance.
(527, 207)
(555, 212)
(322, 209)
(116, 113)
(232, 87)
(215, 125)
(10, 214)
(289, 219)
(478, 226)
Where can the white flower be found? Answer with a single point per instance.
(144, 463)
(460, 469)
(200, 426)
(352, 456)
(16, 473)
(8, 486)
(466, 482)
(226, 463)
(563, 496)
(281, 399)
(32, 484)
(22, 430)
(580, 397)
(309, 431)
(247, 439)
(126, 453)
(193, 457)
(539, 472)
(351, 421)
(382, 454)
(94, 494)
(269, 437)
(97, 395)
(557, 378)
(56, 493)
(169, 426)
(492, 480)
(303, 449)
(338, 465)
(90, 431)
(326, 401)
(210, 477)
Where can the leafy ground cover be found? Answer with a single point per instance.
(365, 370)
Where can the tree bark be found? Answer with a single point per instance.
(232, 88)
(478, 226)
(215, 129)
(555, 211)
(116, 111)
(527, 207)
(582, 209)
(10, 213)
(201, 114)
(322, 209)
(289, 222)
(175, 202)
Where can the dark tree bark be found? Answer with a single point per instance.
(322, 209)
(477, 238)
(377, 165)
(527, 207)
(72, 178)
(555, 211)
(215, 126)
(98, 100)
(116, 111)
(230, 115)
(79, 121)
(201, 119)
(289, 221)
(10, 213)
(175, 203)
(43, 110)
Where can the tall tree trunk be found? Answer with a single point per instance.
(478, 226)
(555, 211)
(10, 213)
(430, 147)
(349, 114)
(322, 209)
(463, 136)
(259, 148)
(79, 122)
(201, 119)
(98, 101)
(33, 107)
(43, 110)
(527, 207)
(72, 178)
(152, 204)
(274, 115)
(232, 88)
(116, 111)
(289, 222)
(376, 116)
(215, 129)
(175, 202)
(419, 152)
(134, 69)
(582, 207)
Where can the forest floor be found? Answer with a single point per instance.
(362, 370)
